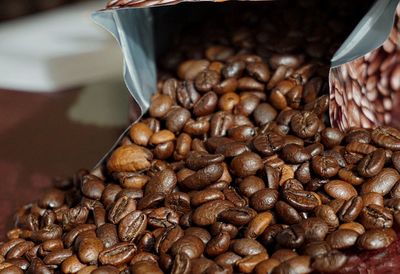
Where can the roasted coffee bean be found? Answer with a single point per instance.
(291, 237)
(386, 137)
(331, 137)
(340, 190)
(206, 80)
(329, 262)
(200, 233)
(246, 164)
(176, 119)
(237, 216)
(132, 225)
(248, 263)
(315, 229)
(258, 224)
(164, 182)
(328, 215)
(374, 216)
(376, 238)
(179, 202)
(191, 246)
(304, 124)
(250, 185)
(301, 200)
(342, 238)
(89, 250)
(166, 239)
(350, 176)
(264, 113)
(246, 247)
(207, 213)
(269, 143)
(218, 244)
(107, 233)
(351, 209)
(162, 217)
(118, 254)
(381, 183)
(325, 166)
(203, 177)
(145, 267)
(151, 201)
(232, 149)
(295, 154)
(122, 207)
(299, 264)
(287, 213)
(206, 104)
(264, 199)
(372, 163)
(284, 254)
(266, 266)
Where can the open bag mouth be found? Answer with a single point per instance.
(248, 152)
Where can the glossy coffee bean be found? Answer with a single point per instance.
(376, 238)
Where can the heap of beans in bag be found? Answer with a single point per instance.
(234, 169)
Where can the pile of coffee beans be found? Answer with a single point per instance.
(234, 169)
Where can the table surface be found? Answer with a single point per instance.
(39, 141)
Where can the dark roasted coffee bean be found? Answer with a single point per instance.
(108, 269)
(164, 182)
(162, 217)
(107, 233)
(207, 213)
(165, 240)
(206, 104)
(264, 113)
(227, 258)
(246, 164)
(372, 163)
(340, 189)
(206, 80)
(232, 149)
(301, 200)
(179, 202)
(198, 160)
(118, 254)
(218, 244)
(237, 216)
(266, 266)
(351, 209)
(145, 267)
(328, 215)
(304, 124)
(132, 225)
(331, 137)
(287, 213)
(122, 207)
(315, 249)
(199, 232)
(203, 177)
(264, 199)
(325, 166)
(329, 262)
(315, 229)
(386, 137)
(246, 247)
(381, 183)
(295, 154)
(269, 143)
(376, 238)
(258, 224)
(291, 237)
(342, 238)
(191, 246)
(374, 216)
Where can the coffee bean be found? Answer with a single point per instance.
(266, 266)
(340, 189)
(325, 166)
(295, 154)
(232, 149)
(71, 265)
(264, 113)
(299, 264)
(291, 237)
(246, 247)
(246, 164)
(264, 199)
(315, 229)
(132, 225)
(304, 124)
(203, 177)
(329, 262)
(89, 250)
(250, 185)
(122, 207)
(258, 224)
(248, 263)
(331, 137)
(386, 137)
(218, 244)
(200, 233)
(351, 209)
(374, 216)
(118, 254)
(191, 246)
(328, 215)
(376, 238)
(207, 213)
(145, 267)
(301, 200)
(342, 238)
(381, 183)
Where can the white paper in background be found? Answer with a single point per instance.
(56, 50)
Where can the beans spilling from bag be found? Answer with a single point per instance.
(234, 169)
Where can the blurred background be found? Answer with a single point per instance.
(63, 102)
